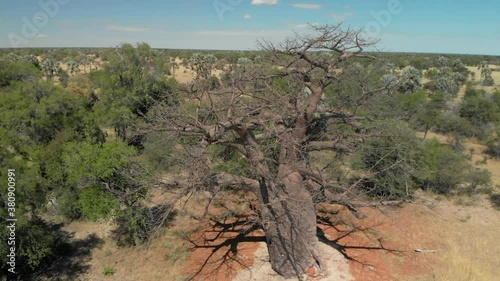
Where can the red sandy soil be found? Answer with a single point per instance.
(379, 247)
(219, 255)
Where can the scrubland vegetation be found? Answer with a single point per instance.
(92, 132)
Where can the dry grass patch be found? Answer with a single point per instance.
(471, 244)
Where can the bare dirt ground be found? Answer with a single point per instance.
(186, 75)
(380, 247)
(183, 74)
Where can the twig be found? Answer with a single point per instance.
(425, 251)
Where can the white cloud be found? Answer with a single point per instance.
(42, 36)
(247, 17)
(307, 6)
(341, 17)
(264, 2)
(229, 32)
(302, 25)
(127, 28)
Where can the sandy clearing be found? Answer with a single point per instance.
(477, 77)
(186, 75)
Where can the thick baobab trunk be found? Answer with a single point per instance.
(288, 213)
(289, 222)
(287, 210)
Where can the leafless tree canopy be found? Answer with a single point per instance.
(267, 113)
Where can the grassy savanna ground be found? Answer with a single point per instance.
(470, 226)
(472, 223)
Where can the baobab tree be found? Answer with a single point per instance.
(73, 66)
(413, 81)
(486, 74)
(173, 65)
(50, 68)
(285, 103)
(203, 64)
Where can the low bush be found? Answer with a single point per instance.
(446, 170)
(494, 148)
(97, 203)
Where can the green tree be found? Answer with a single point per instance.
(88, 163)
(392, 160)
(494, 147)
(445, 169)
(430, 117)
(41, 125)
(480, 110)
(17, 72)
(130, 84)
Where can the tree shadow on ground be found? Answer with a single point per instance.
(71, 257)
(343, 248)
(495, 201)
(221, 243)
(222, 239)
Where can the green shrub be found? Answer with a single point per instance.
(495, 201)
(494, 148)
(456, 126)
(432, 73)
(133, 226)
(160, 152)
(471, 92)
(397, 163)
(68, 204)
(213, 82)
(488, 81)
(476, 177)
(479, 110)
(88, 162)
(391, 159)
(445, 169)
(37, 242)
(36, 245)
(108, 271)
(16, 71)
(97, 203)
(442, 167)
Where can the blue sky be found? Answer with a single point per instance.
(438, 26)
